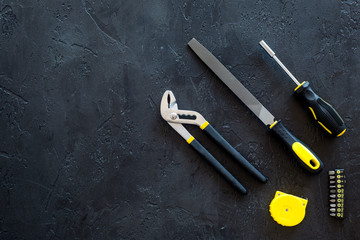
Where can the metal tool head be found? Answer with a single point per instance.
(168, 101)
(229, 79)
(170, 113)
(167, 107)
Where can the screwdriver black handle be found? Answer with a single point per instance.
(220, 168)
(302, 153)
(240, 158)
(322, 112)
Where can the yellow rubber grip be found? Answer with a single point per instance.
(305, 155)
(272, 125)
(341, 133)
(325, 127)
(190, 139)
(312, 111)
(204, 125)
(299, 86)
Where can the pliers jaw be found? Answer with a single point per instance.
(171, 114)
(168, 103)
(167, 107)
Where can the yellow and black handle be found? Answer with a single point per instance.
(240, 159)
(220, 168)
(322, 112)
(302, 153)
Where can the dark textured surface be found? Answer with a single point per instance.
(85, 154)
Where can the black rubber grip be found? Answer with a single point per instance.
(220, 168)
(222, 142)
(323, 112)
(301, 152)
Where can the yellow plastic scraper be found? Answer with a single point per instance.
(287, 210)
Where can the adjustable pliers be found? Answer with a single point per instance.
(175, 118)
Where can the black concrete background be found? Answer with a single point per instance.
(85, 154)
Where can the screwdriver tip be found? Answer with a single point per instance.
(267, 48)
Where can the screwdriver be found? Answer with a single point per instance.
(323, 112)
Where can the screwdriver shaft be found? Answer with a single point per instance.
(272, 54)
